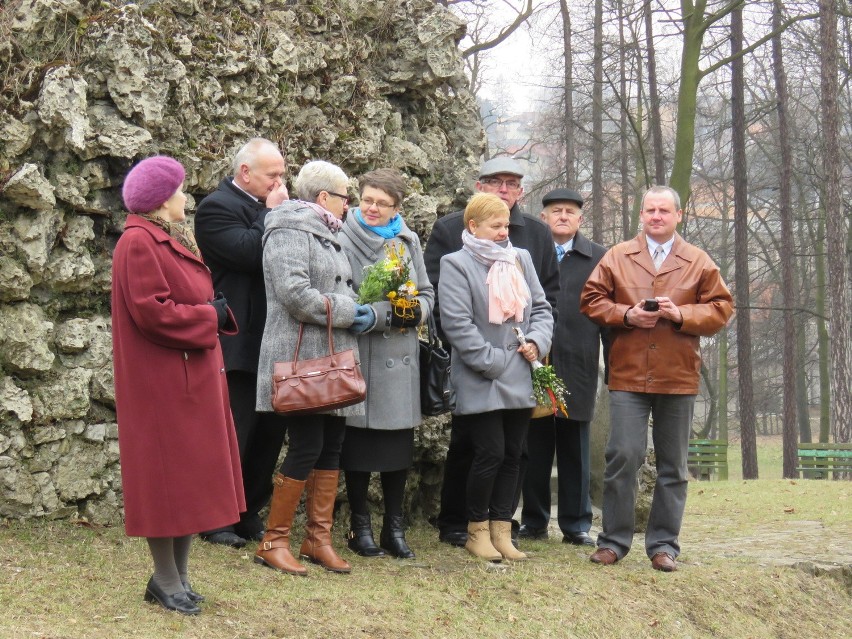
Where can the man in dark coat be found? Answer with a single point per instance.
(501, 176)
(229, 227)
(575, 357)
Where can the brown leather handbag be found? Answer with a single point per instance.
(317, 385)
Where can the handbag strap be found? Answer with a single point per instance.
(330, 335)
(433, 331)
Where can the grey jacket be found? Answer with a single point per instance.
(487, 372)
(303, 262)
(389, 355)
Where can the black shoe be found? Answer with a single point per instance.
(193, 596)
(179, 602)
(454, 537)
(578, 539)
(250, 528)
(528, 532)
(224, 538)
(392, 538)
(360, 537)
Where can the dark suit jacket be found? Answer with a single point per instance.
(229, 230)
(577, 339)
(524, 231)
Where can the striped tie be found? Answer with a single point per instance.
(659, 256)
(560, 253)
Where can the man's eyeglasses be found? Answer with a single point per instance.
(512, 185)
(343, 197)
(366, 203)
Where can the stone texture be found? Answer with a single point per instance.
(93, 86)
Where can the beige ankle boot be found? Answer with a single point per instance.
(501, 538)
(479, 542)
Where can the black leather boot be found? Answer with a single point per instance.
(360, 537)
(392, 538)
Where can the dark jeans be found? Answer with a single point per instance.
(569, 441)
(314, 443)
(497, 438)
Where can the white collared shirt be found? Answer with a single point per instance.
(652, 246)
(234, 182)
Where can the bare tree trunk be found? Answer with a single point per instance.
(836, 233)
(654, 115)
(822, 336)
(748, 436)
(597, 127)
(626, 182)
(568, 116)
(790, 438)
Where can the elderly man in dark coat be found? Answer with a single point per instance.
(229, 228)
(575, 356)
(502, 177)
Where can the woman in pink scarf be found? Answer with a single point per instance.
(487, 289)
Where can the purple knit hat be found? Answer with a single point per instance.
(151, 182)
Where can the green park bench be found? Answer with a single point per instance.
(708, 458)
(816, 461)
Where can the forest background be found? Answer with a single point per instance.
(743, 108)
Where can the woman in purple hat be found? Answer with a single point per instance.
(180, 465)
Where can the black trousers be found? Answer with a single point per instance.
(568, 439)
(314, 441)
(452, 516)
(497, 438)
(259, 437)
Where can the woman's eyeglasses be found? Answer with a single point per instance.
(366, 203)
(343, 197)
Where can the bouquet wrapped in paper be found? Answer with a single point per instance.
(390, 279)
(548, 389)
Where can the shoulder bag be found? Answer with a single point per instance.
(436, 392)
(317, 385)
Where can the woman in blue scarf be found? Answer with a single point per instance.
(382, 440)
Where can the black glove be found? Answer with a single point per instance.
(410, 320)
(221, 305)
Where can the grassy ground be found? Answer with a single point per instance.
(740, 539)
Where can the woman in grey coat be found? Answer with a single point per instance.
(303, 265)
(487, 289)
(382, 440)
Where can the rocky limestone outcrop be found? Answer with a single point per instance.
(91, 86)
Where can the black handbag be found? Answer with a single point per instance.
(436, 392)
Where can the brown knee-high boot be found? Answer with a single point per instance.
(274, 550)
(322, 490)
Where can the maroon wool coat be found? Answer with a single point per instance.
(180, 466)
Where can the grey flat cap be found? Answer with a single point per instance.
(494, 166)
(562, 195)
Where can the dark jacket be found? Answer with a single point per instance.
(229, 229)
(575, 353)
(664, 359)
(524, 232)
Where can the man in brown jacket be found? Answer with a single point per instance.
(659, 295)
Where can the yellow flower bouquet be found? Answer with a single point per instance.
(390, 279)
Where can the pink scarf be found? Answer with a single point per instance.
(327, 218)
(508, 293)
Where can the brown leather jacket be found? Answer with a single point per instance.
(667, 358)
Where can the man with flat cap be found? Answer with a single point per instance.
(501, 176)
(575, 357)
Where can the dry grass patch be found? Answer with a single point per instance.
(61, 580)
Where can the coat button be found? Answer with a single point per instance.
(338, 279)
(406, 360)
(652, 346)
(349, 283)
(390, 363)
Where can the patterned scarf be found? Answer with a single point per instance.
(180, 232)
(508, 293)
(325, 216)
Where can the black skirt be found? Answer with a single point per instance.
(377, 451)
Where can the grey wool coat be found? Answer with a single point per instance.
(302, 263)
(488, 373)
(389, 355)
